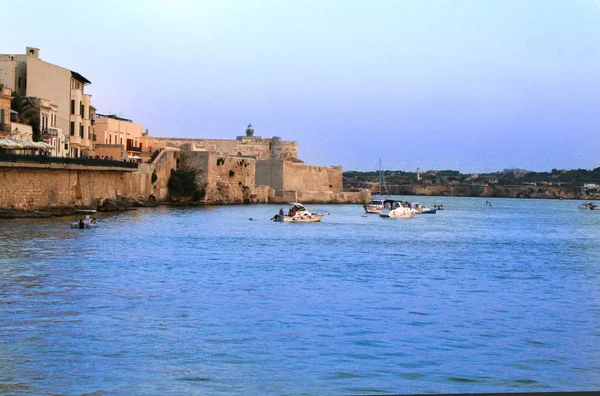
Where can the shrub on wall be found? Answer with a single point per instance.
(182, 183)
(231, 173)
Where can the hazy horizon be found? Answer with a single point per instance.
(470, 86)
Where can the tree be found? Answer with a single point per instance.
(28, 112)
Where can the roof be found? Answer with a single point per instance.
(79, 77)
(113, 116)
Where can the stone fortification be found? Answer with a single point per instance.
(295, 175)
(223, 179)
(39, 187)
(253, 146)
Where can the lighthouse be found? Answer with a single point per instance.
(250, 130)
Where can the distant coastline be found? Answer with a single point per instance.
(510, 183)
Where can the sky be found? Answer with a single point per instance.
(469, 85)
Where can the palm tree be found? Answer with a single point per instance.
(28, 112)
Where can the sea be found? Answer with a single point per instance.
(222, 300)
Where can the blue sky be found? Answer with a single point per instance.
(469, 85)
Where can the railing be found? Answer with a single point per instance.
(136, 149)
(50, 132)
(4, 127)
(42, 159)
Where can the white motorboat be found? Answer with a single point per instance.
(374, 206)
(396, 210)
(297, 213)
(422, 209)
(87, 219)
(589, 206)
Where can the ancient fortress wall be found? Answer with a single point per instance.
(225, 179)
(244, 145)
(270, 173)
(296, 176)
(31, 187)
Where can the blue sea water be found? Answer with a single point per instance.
(171, 301)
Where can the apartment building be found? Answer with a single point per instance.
(118, 137)
(63, 90)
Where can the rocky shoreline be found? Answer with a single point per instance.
(109, 205)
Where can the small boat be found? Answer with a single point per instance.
(396, 210)
(422, 209)
(297, 213)
(87, 219)
(488, 203)
(438, 205)
(374, 206)
(589, 206)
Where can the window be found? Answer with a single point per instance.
(72, 106)
(19, 83)
(81, 131)
(72, 128)
(88, 135)
(81, 107)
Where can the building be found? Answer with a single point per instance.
(61, 88)
(5, 98)
(118, 137)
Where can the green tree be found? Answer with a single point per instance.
(28, 112)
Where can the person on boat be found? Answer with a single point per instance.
(281, 212)
(292, 212)
(93, 221)
(81, 223)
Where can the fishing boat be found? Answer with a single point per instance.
(376, 204)
(297, 213)
(396, 210)
(87, 219)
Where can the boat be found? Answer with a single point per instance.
(396, 210)
(376, 204)
(297, 213)
(488, 203)
(422, 209)
(589, 206)
(438, 205)
(87, 219)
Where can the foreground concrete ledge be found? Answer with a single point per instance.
(65, 167)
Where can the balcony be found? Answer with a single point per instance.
(4, 127)
(50, 132)
(134, 149)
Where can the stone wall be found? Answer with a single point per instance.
(293, 175)
(320, 197)
(31, 187)
(163, 164)
(225, 179)
(254, 146)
